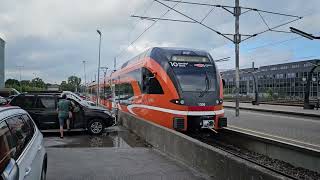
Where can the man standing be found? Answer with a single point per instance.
(64, 107)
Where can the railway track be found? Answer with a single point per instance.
(270, 154)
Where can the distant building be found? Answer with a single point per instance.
(53, 87)
(282, 80)
(2, 48)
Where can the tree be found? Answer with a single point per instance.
(12, 82)
(25, 83)
(38, 82)
(64, 86)
(74, 82)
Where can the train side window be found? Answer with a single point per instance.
(129, 90)
(136, 74)
(150, 84)
(108, 92)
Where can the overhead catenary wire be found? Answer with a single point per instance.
(272, 29)
(224, 6)
(140, 35)
(273, 43)
(144, 13)
(207, 14)
(263, 20)
(194, 20)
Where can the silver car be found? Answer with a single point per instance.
(22, 153)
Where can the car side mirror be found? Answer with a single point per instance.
(11, 172)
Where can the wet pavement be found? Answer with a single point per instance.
(118, 137)
(117, 154)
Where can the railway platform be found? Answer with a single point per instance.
(293, 110)
(117, 154)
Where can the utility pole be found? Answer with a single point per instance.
(20, 67)
(114, 64)
(85, 76)
(237, 40)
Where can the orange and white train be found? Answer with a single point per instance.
(177, 88)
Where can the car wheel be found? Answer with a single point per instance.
(96, 127)
(43, 173)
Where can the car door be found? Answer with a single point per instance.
(36, 148)
(46, 112)
(8, 166)
(78, 115)
(26, 152)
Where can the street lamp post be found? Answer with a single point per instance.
(98, 78)
(20, 67)
(85, 76)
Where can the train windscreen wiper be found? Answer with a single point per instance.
(202, 93)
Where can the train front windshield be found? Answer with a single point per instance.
(193, 79)
(196, 74)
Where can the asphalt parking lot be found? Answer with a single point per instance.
(117, 154)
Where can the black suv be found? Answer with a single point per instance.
(42, 108)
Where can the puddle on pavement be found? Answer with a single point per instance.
(113, 137)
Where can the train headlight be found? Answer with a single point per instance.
(178, 101)
(182, 101)
(219, 101)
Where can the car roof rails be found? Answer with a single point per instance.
(47, 92)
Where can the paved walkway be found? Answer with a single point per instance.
(115, 156)
(276, 108)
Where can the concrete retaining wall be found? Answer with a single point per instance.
(202, 157)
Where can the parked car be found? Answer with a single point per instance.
(3, 101)
(42, 108)
(77, 97)
(22, 153)
(8, 93)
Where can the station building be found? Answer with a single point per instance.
(286, 80)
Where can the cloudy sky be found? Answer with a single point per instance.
(51, 38)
